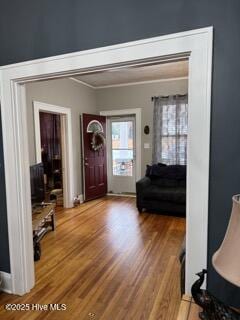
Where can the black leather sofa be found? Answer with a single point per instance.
(163, 189)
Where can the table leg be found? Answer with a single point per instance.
(53, 223)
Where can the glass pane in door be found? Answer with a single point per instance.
(122, 148)
(122, 162)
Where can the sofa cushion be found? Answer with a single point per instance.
(173, 172)
(149, 168)
(160, 164)
(162, 182)
(153, 192)
(182, 183)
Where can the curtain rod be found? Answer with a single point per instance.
(165, 97)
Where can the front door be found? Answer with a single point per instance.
(121, 155)
(94, 161)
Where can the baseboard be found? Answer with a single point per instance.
(6, 284)
(80, 198)
(121, 195)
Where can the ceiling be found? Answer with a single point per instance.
(135, 74)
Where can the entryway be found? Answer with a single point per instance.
(196, 44)
(58, 179)
(51, 150)
(121, 146)
(94, 156)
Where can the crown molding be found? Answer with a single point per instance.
(140, 82)
(82, 82)
(127, 84)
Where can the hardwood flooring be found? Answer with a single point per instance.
(188, 309)
(106, 262)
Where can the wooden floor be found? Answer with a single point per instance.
(106, 262)
(188, 309)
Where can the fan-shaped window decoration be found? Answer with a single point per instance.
(94, 126)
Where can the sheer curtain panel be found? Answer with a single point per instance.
(170, 128)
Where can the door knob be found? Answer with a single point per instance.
(86, 164)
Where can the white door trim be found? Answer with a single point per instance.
(67, 152)
(198, 45)
(5, 282)
(137, 112)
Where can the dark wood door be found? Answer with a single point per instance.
(94, 162)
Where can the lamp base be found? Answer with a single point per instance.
(213, 309)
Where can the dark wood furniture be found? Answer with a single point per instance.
(43, 220)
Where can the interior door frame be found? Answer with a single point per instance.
(66, 143)
(195, 44)
(137, 113)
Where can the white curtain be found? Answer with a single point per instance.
(170, 128)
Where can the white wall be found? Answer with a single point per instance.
(139, 96)
(65, 93)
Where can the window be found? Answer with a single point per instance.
(170, 130)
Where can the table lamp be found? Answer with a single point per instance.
(226, 261)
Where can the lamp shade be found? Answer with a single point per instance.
(226, 259)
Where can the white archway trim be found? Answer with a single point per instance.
(67, 152)
(197, 44)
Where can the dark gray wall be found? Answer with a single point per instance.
(32, 29)
(4, 251)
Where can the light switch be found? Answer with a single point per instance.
(146, 146)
